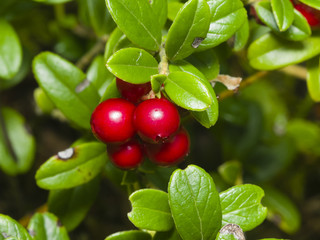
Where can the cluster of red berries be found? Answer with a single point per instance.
(116, 122)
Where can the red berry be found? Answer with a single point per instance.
(127, 155)
(112, 120)
(133, 92)
(156, 119)
(170, 152)
(309, 13)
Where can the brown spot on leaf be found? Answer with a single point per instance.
(32, 232)
(197, 41)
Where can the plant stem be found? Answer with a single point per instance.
(97, 48)
(296, 71)
(59, 12)
(163, 65)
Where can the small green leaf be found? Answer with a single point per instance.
(227, 16)
(313, 78)
(188, 29)
(10, 228)
(72, 205)
(99, 75)
(130, 235)
(116, 41)
(18, 151)
(231, 172)
(160, 10)
(111, 91)
(282, 211)
(67, 87)
(270, 52)
(187, 91)
(99, 16)
(173, 9)
(150, 210)
(283, 13)
(157, 81)
(133, 65)
(72, 167)
(207, 62)
(43, 102)
(241, 36)
(10, 51)
(143, 30)
(241, 205)
(45, 226)
(312, 3)
(194, 203)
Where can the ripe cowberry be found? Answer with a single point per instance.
(133, 92)
(127, 155)
(312, 15)
(156, 119)
(112, 120)
(171, 152)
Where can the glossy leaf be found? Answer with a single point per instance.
(18, 150)
(143, 30)
(312, 3)
(207, 62)
(313, 78)
(111, 91)
(241, 205)
(72, 167)
(160, 10)
(67, 87)
(46, 226)
(194, 203)
(10, 51)
(10, 228)
(299, 30)
(188, 29)
(99, 75)
(173, 9)
(43, 102)
(209, 116)
(156, 82)
(227, 16)
(241, 36)
(133, 65)
(283, 13)
(282, 211)
(99, 16)
(270, 52)
(187, 91)
(130, 235)
(150, 210)
(72, 205)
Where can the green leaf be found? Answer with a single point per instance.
(299, 30)
(227, 16)
(18, 150)
(72, 167)
(111, 91)
(45, 226)
(133, 65)
(270, 52)
(313, 78)
(188, 29)
(312, 3)
(231, 172)
(283, 13)
(160, 10)
(306, 135)
(187, 91)
(206, 62)
(173, 9)
(241, 205)
(194, 203)
(241, 36)
(150, 210)
(130, 235)
(99, 75)
(99, 16)
(143, 30)
(67, 87)
(156, 83)
(72, 205)
(210, 116)
(281, 210)
(116, 41)
(10, 51)
(10, 228)
(43, 102)
(171, 235)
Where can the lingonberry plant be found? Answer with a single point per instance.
(126, 99)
